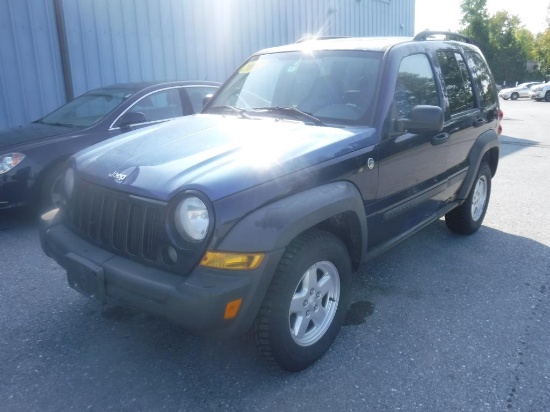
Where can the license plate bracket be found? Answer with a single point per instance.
(86, 277)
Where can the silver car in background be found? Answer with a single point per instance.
(540, 92)
(514, 93)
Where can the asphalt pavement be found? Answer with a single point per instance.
(440, 323)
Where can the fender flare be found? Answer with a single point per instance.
(482, 145)
(274, 226)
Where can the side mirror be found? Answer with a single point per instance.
(130, 118)
(206, 99)
(422, 119)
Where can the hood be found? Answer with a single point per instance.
(32, 131)
(218, 155)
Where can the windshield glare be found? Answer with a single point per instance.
(89, 108)
(334, 86)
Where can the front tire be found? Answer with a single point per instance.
(547, 96)
(306, 303)
(468, 217)
(514, 96)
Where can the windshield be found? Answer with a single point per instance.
(331, 86)
(89, 108)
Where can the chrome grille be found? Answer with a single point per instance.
(116, 221)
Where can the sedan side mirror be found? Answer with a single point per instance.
(130, 118)
(206, 99)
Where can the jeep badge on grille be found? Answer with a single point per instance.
(119, 177)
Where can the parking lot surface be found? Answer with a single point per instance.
(439, 323)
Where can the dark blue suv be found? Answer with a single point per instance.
(311, 159)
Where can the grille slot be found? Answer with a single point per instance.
(116, 221)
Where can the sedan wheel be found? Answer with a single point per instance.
(547, 96)
(514, 96)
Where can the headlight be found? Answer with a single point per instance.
(9, 161)
(191, 218)
(68, 182)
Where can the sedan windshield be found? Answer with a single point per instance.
(315, 87)
(88, 109)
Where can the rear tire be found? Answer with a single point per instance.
(306, 303)
(468, 217)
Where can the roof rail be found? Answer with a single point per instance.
(423, 35)
(310, 38)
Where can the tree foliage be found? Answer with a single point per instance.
(507, 45)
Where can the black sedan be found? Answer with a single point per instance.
(32, 156)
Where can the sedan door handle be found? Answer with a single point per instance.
(440, 138)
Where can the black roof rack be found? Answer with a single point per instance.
(308, 38)
(423, 35)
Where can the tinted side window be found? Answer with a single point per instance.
(161, 105)
(484, 79)
(415, 85)
(457, 81)
(197, 94)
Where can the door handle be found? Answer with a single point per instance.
(440, 138)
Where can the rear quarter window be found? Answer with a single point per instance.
(458, 83)
(483, 79)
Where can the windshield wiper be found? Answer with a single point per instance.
(56, 124)
(240, 112)
(291, 111)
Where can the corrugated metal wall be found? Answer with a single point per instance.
(31, 81)
(111, 41)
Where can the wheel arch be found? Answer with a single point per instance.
(335, 207)
(44, 175)
(486, 148)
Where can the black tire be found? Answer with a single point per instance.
(50, 188)
(547, 96)
(327, 295)
(468, 217)
(514, 96)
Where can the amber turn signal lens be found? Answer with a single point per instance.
(232, 308)
(232, 261)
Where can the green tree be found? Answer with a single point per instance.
(512, 46)
(542, 49)
(474, 24)
(542, 54)
(506, 43)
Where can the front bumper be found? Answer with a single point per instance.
(196, 301)
(536, 95)
(15, 190)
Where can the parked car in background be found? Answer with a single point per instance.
(540, 92)
(514, 93)
(32, 156)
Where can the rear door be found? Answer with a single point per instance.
(464, 116)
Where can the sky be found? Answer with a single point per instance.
(446, 14)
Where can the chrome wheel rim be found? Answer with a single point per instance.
(479, 198)
(314, 303)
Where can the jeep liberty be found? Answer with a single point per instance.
(310, 160)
